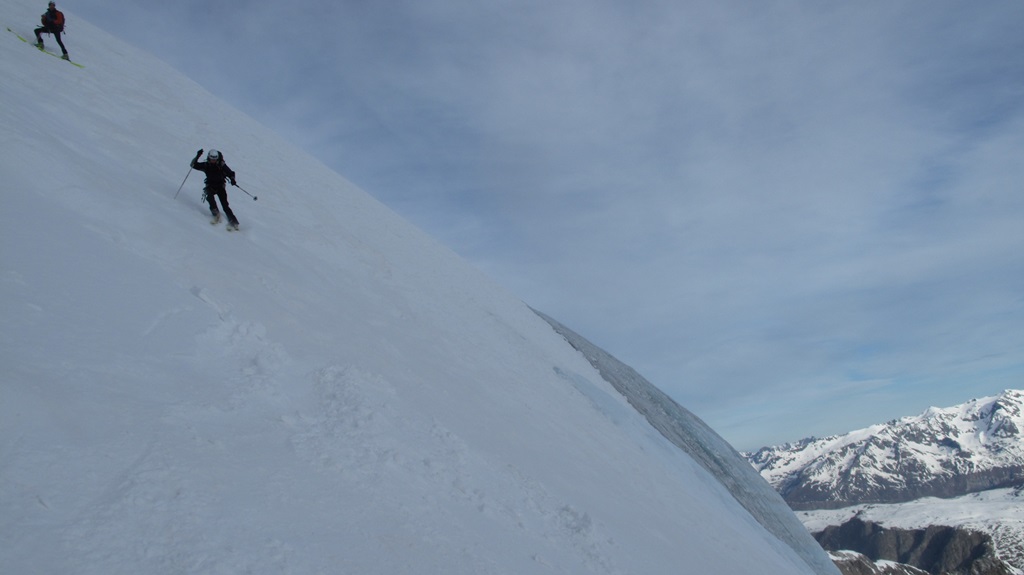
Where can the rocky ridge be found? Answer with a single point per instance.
(939, 550)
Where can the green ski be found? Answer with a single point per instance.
(45, 51)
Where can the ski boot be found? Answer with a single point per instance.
(216, 219)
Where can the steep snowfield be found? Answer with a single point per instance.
(326, 391)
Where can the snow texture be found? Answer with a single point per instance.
(327, 390)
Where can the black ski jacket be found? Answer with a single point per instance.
(217, 173)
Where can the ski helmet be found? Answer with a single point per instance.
(214, 156)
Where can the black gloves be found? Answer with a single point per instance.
(233, 182)
(199, 153)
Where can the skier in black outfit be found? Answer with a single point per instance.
(217, 172)
(53, 23)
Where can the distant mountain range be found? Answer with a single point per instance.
(943, 452)
(915, 490)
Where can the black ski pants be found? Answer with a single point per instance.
(56, 35)
(211, 196)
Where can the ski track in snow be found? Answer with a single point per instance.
(350, 435)
(348, 432)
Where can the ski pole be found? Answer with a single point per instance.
(254, 198)
(182, 183)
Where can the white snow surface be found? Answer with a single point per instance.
(328, 390)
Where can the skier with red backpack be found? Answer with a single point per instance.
(53, 23)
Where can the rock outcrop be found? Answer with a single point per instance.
(938, 550)
(853, 563)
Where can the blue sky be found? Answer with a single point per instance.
(796, 217)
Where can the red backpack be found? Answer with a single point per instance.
(56, 23)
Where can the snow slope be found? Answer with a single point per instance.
(326, 391)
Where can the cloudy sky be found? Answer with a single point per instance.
(797, 217)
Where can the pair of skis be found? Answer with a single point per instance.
(44, 50)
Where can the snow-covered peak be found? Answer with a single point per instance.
(327, 390)
(941, 452)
